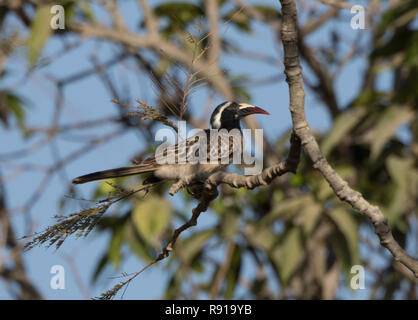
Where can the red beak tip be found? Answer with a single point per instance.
(262, 111)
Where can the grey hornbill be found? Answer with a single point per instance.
(227, 116)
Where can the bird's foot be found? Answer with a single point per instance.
(181, 183)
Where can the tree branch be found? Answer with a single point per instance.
(340, 187)
(159, 45)
(206, 189)
(150, 19)
(212, 12)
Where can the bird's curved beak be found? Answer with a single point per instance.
(246, 109)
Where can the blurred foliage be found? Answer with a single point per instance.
(11, 106)
(40, 32)
(295, 232)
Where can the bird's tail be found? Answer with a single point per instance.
(113, 173)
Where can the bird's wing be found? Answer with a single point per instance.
(207, 146)
(173, 154)
(224, 145)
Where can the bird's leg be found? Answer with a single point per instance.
(181, 183)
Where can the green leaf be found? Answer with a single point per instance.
(4, 9)
(348, 226)
(402, 13)
(136, 243)
(229, 225)
(387, 124)
(191, 246)
(86, 10)
(271, 13)
(401, 42)
(179, 15)
(322, 187)
(151, 217)
(103, 261)
(411, 57)
(183, 11)
(288, 254)
(339, 247)
(342, 126)
(405, 177)
(40, 32)
(303, 211)
(105, 188)
(260, 235)
(11, 104)
(240, 19)
(233, 273)
(174, 285)
(15, 105)
(114, 254)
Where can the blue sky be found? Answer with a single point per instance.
(88, 99)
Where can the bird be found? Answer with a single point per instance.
(225, 119)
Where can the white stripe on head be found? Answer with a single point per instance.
(216, 122)
(245, 105)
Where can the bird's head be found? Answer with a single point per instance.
(228, 114)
